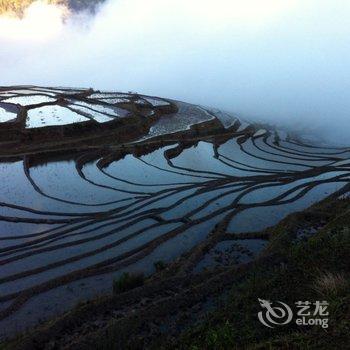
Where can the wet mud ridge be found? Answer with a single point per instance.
(155, 314)
(95, 184)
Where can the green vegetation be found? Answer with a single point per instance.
(159, 265)
(318, 269)
(127, 281)
(17, 7)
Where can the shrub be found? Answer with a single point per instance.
(127, 281)
(159, 265)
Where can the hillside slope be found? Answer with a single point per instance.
(17, 7)
(172, 312)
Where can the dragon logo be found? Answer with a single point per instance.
(274, 315)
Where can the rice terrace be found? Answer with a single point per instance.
(98, 185)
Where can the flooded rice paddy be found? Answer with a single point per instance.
(69, 225)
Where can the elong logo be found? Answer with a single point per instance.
(282, 314)
(274, 315)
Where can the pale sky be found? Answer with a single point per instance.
(282, 61)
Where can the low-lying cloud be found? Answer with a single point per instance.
(285, 62)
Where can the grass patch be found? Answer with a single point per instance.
(159, 265)
(318, 269)
(127, 281)
(331, 284)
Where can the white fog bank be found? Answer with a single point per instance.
(285, 62)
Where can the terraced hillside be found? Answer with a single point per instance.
(17, 7)
(306, 258)
(95, 184)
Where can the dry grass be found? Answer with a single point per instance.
(330, 283)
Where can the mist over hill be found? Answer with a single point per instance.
(17, 7)
(285, 63)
